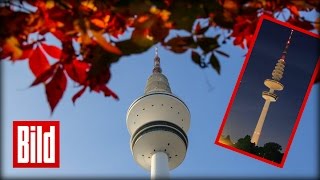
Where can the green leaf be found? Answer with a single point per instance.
(215, 63)
(196, 58)
(222, 53)
(128, 47)
(140, 38)
(184, 13)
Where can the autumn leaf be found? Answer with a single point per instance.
(12, 48)
(55, 88)
(38, 62)
(77, 70)
(108, 92)
(78, 94)
(27, 50)
(105, 44)
(99, 23)
(198, 30)
(44, 76)
(26, 54)
(51, 50)
(294, 10)
(231, 5)
(215, 63)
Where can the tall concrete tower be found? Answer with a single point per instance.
(269, 96)
(158, 123)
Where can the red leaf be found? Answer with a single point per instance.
(197, 28)
(27, 51)
(55, 88)
(43, 77)
(26, 54)
(77, 70)
(108, 92)
(53, 51)
(38, 62)
(60, 35)
(78, 94)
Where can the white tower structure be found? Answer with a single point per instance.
(158, 123)
(269, 96)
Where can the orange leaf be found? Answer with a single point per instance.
(104, 44)
(99, 23)
(142, 19)
(55, 88)
(231, 5)
(11, 47)
(53, 51)
(294, 10)
(38, 62)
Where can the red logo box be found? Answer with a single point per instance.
(36, 144)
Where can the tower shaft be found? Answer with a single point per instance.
(257, 131)
(159, 166)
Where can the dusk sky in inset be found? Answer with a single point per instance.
(303, 54)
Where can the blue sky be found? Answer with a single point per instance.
(94, 136)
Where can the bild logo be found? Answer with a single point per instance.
(36, 144)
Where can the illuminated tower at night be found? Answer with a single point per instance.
(158, 123)
(273, 85)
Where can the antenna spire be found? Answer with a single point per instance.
(156, 68)
(284, 53)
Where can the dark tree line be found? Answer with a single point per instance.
(270, 150)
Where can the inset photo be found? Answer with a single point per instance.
(271, 92)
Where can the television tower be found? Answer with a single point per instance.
(269, 96)
(158, 123)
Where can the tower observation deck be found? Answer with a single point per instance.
(158, 123)
(273, 85)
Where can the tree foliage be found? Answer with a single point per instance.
(108, 30)
(270, 150)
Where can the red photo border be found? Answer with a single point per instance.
(267, 18)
